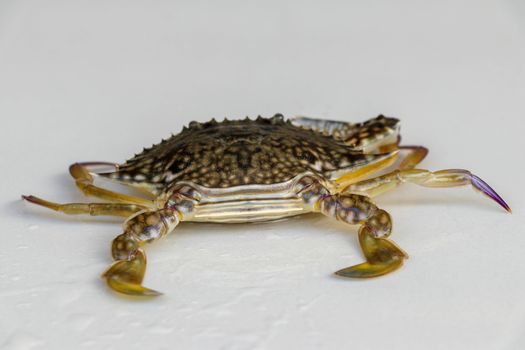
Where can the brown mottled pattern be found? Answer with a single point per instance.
(241, 152)
(369, 130)
(357, 209)
(352, 134)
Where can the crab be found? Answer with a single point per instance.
(256, 170)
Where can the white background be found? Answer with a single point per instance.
(98, 80)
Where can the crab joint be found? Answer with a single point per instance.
(125, 275)
(147, 226)
(356, 209)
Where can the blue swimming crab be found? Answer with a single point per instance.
(255, 170)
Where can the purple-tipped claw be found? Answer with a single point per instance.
(489, 192)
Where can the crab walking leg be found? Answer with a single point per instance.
(415, 155)
(379, 134)
(125, 275)
(94, 209)
(328, 127)
(84, 182)
(442, 178)
(382, 255)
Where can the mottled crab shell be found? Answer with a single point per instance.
(247, 152)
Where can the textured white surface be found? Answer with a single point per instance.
(97, 80)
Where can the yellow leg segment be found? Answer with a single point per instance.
(125, 275)
(415, 155)
(443, 178)
(94, 209)
(84, 182)
(382, 255)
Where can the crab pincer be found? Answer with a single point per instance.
(125, 275)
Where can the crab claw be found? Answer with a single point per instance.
(368, 270)
(382, 256)
(488, 191)
(125, 276)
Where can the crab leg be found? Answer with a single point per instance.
(94, 209)
(382, 255)
(379, 134)
(426, 178)
(84, 182)
(415, 155)
(334, 128)
(125, 275)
